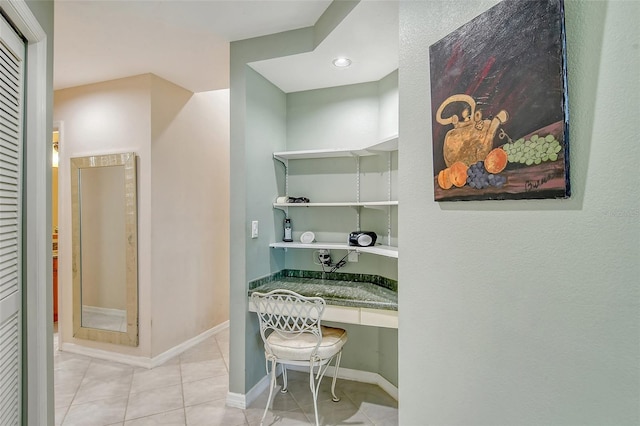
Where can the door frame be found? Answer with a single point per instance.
(37, 384)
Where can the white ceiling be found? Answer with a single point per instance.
(368, 36)
(187, 42)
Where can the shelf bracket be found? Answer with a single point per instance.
(358, 192)
(285, 163)
(389, 198)
(284, 210)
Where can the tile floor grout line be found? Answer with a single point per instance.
(184, 408)
(373, 421)
(75, 394)
(291, 393)
(221, 354)
(126, 406)
(65, 414)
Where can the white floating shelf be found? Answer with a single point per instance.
(386, 251)
(341, 204)
(387, 145)
(379, 250)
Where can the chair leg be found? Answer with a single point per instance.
(272, 385)
(314, 391)
(284, 379)
(335, 375)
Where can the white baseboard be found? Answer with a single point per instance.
(177, 350)
(139, 361)
(358, 376)
(136, 361)
(238, 400)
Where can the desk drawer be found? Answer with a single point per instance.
(362, 316)
(379, 318)
(341, 314)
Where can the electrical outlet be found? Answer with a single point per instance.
(324, 257)
(353, 256)
(254, 229)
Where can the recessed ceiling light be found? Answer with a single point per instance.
(342, 62)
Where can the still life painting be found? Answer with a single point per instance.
(499, 105)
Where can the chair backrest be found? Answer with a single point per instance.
(289, 314)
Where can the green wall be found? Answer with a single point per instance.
(327, 118)
(547, 332)
(525, 312)
(251, 259)
(305, 120)
(346, 116)
(265, 133)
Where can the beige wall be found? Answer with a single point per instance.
(190, 212)
(149, 116)
(108, 117)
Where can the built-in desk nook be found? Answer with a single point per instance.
(332, 175)
(351, 298)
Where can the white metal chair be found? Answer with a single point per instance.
(292, 335)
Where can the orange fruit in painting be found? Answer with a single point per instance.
(458, 174)
(496, 161)
(443, 179)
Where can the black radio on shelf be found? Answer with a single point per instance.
(362, 238)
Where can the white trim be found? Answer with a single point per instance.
(358, 376)
(139, 361)
(22, 17)
(238, 400)
(136, 361)
(177, 350)
(380, 250)
(38, 314)
(385, 145)
(340, 204)
(39, 306)
(353, 315)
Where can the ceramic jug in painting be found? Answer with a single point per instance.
(471, 138)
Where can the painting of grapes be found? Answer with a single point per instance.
(499, 105)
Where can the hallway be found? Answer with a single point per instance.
(191, 389)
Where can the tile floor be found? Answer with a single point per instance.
(191, 390)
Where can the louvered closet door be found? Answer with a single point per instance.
(12, 50)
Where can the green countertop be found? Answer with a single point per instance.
(340, 292)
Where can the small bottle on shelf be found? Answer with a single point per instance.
(287, 231)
